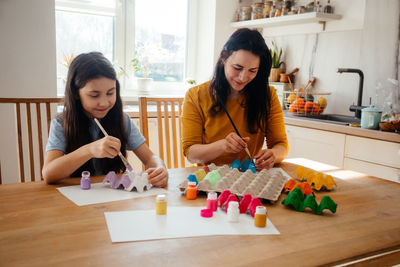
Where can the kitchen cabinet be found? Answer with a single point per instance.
(374, 157)
(322, 146)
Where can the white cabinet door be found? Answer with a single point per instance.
(373, 151)
(322, 146)
(376, 170)
(373, 157)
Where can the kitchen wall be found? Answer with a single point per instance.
(374, 48)
(27, 67)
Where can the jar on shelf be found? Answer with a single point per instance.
(267, 9)
(245, 13)
(301, 10)
(284, 11)
(328, 8)
(317, 7)
(272, 12)
(257, 11)
(278, 12)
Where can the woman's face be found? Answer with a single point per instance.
(241, 67)
(98, 96)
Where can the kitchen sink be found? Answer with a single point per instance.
(329, 118)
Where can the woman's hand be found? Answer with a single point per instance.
(234, 143)
(106, 147)
(265, 159)
(158, 176)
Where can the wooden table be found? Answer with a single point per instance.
(40, 227)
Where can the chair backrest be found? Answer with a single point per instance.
(33, 128)
(166, 112)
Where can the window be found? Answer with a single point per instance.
(155, 31)
(160, 37)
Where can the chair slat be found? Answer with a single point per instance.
(180, 101)
(174, 140)
(19, 142)
(160, 131)
(40, 139)
(1, 181)
(30, 142)
(144, 127)
(48, 117)
(167, 136)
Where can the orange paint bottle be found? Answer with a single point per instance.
(191, 191)
(260, 217)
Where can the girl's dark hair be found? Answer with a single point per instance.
(83, 69)
(257, 94)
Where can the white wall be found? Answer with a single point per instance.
(27, 65)
(373, 48)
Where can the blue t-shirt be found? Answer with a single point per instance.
(57, 140)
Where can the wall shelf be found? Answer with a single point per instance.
(311, 17)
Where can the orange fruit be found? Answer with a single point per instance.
(292, 108)
(291, 98)
(299, 102)
(308, 107)
(322, 102)
(316, 109)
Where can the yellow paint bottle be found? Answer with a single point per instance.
(260, 216)
(161, 205)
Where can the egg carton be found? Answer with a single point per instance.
(266, 184)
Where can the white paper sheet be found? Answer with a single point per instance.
(179, 222)
(100, 193)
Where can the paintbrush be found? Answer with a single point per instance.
(124, 160)
(237, 131)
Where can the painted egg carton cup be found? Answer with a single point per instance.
(318, 181)
(266, 184)
(129, 181)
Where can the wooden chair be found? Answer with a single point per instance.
(25, 139)
(169, 144)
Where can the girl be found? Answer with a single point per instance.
(76, 143)
(240, 83)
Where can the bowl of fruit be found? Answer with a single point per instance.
(305, 104)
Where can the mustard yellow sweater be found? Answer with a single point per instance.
(198, 127)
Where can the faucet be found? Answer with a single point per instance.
(356, 108)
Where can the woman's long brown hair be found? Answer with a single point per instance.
(257, 93)
(84, 68)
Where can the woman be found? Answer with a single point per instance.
(239, 83)
(75, 141)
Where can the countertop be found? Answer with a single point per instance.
(331, 127)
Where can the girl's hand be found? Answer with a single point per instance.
(265, 159)
(158, 176)
(234, 144)
(107, 147)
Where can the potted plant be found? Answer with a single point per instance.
(276, 69)
(141, 64)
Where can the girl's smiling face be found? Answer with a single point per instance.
(98, 96)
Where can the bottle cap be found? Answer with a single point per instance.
(86, 174)
(207, 213)
(161, 197)
(233, 204)
(212, 195)
(192, 184)
(261, 210)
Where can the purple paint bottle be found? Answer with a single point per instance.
(85, 180)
